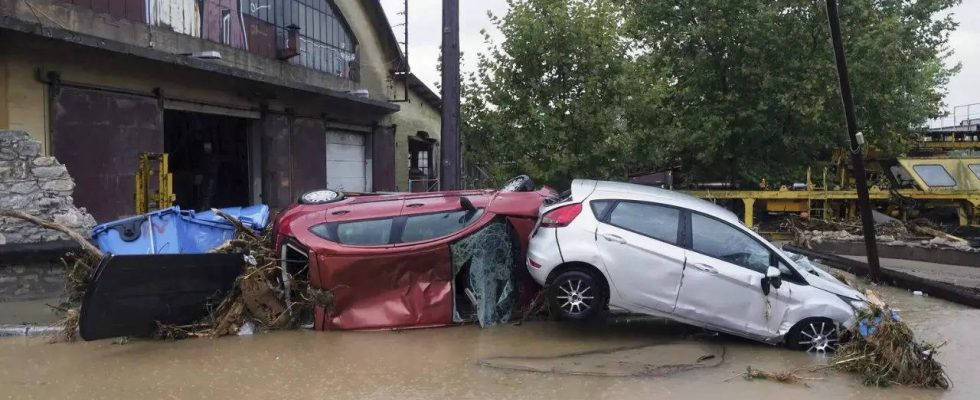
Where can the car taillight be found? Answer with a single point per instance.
(531, 263)
(561, 216)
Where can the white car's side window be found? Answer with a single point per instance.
(658, 222)
(722, 241)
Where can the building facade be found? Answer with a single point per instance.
(253, 100)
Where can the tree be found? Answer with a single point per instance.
(733, 90)
(547, 101)
(753, 89)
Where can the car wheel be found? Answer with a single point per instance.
(576, 295)
(817, 335)
(520, 183)
(323, 196)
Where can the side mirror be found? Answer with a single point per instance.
(773, 279)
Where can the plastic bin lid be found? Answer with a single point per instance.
(99, 229)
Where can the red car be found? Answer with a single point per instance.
(415, 259)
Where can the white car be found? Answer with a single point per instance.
(653, 251)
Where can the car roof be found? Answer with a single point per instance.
(657, 195)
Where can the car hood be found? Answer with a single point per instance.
(820, 279)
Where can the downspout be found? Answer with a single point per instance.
(241, 21)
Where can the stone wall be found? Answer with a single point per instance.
(31, 281)
(40, 186)
(37, 185)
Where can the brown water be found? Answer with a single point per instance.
(445, 363)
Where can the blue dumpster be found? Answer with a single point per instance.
(172, 231)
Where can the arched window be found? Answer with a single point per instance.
(325, 40)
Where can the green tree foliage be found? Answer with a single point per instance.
(733, 90)
(547, 100)
(753, 88)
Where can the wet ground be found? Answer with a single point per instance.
(449, 363)
(954, 274)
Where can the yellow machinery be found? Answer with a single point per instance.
(926, 183)
(163, 196)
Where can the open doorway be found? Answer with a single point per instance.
(208, 159)
(422, 175)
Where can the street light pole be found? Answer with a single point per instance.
(450, 150)
(857, 160)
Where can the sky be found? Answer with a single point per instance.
(425, 36)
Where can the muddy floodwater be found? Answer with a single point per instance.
(452, 363)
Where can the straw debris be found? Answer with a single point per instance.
(265, 294)
(790, 377)
(889, 354)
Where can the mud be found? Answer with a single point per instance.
(646, 361)
(444, 363)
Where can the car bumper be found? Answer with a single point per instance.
(543, 254)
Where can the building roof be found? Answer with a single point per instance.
(383, 26)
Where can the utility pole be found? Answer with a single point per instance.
(860, 178)
(450, 149)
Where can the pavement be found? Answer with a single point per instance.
(954, 274)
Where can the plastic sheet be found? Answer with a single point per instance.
(489, 255)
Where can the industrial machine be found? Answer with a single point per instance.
(148, 197)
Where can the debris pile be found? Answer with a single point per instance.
(916, 233)
(782, 377)
(264, 295)
(884, 351)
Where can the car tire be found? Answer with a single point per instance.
(322, 196)
(819, 335)
(577, 295)
(520, 183)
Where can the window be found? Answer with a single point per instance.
(976, 169)
(430, 226)
(358, 233)
(325, 42)
(658, 222)
(935, 175)
(722, 241)
(599, 207)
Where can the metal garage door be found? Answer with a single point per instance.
(347, 165)
(99, 135)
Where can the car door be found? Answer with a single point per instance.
(722, 283)
(638, 243)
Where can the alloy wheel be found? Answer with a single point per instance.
(575, 296)
(820, 337)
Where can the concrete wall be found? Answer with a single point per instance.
(22, 99)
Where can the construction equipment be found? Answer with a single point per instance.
(147, 199)
(905, 187)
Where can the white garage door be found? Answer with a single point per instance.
(347, 166)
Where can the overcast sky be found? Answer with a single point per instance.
(425, 20)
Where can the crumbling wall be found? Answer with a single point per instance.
(38, 185)
(41, 186)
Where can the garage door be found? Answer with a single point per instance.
(99, 135)
(346, 162)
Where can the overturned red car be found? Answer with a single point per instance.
(414, 259)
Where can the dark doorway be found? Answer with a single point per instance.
(208, 159)
(421, 169)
